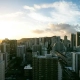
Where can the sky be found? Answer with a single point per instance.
(38, 18)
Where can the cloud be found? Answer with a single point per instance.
(39, 17)
(11, 15)
(58, 30)
(66, 27)
(60, 12)
(57, 5)
(66, 12)
(29, 8)
(37, 31)
(62, 29)
(37, 6)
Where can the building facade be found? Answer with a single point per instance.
(45, 67)
(13, 48)
(76, 63)
(2, 70)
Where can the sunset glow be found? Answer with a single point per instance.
(29, 18)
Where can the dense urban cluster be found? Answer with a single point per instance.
(44, 58)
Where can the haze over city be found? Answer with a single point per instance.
(38, 18)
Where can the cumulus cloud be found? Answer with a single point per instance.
(58, 30)
(66, 12)
(63, 27)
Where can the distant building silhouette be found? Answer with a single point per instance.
(73, 41)
(77, 39)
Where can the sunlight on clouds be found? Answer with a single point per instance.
(29, 8)
(39, 17)
(38, 31)
(11, 15)
(57, 29)
(33, 20)
(37, 6)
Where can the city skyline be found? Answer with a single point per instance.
(34, 18)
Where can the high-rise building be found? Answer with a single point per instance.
(9, 46)
(46, 39)
(59, 46)
(65, 41)
(28, 71)
(1, 56)
(29, 44)
(59, 71)
(73, 40)
(76, 63)
(65, 72)
(2, 70)
(36, 41)
(45, 67)
(13, 48)
(55, 39)
(37, 48)
(40, 40)
(77, 39)
(28, 56)
(21, 50)
(44, 50)
(2, 66)
(5, 48)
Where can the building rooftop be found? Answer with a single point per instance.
(47, 56)
(28, 67)
(76, 52)
(21, 46)
(70, 68)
